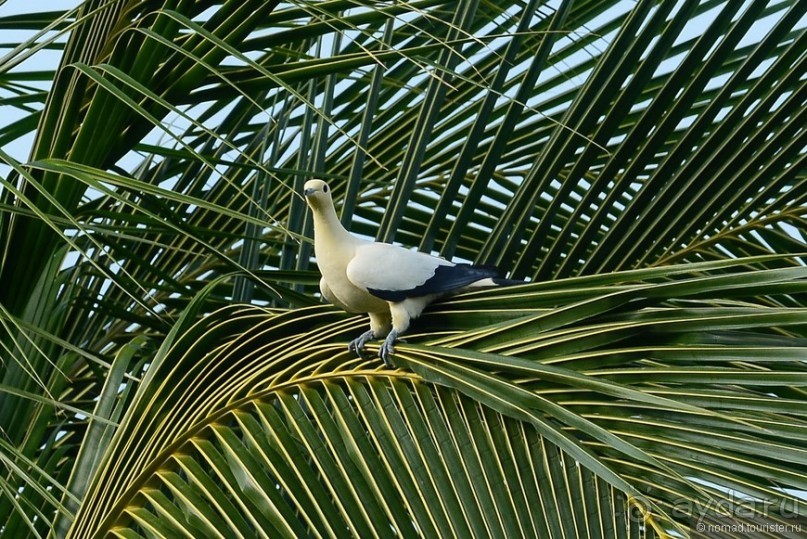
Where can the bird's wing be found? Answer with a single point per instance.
(393, 273)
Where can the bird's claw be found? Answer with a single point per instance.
(357, 344)
(388, 349)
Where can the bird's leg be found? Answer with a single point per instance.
(357, 344)
(388, 348)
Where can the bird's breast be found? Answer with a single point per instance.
(356, 299)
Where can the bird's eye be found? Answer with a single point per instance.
(324, 188)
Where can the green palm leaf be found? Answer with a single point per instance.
(342, 440)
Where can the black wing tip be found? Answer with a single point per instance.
(446, 279)
(496, 275)
(491, 270)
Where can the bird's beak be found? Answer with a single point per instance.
(309, 191)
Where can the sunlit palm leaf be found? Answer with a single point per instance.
(344, 445)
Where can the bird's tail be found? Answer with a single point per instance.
(493, 278)
(492, 282)
(500, 281)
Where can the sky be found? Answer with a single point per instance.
(45, 59)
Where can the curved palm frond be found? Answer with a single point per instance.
(616, 402)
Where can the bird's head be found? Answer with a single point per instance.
(317, 194)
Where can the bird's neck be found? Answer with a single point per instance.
(328, 230)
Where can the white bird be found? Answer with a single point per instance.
(391, 284)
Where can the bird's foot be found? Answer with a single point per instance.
(388, 348)
(357, 344)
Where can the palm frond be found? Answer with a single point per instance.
(623, 405)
